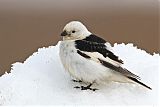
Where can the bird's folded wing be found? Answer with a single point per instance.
(109, 63)
(98, 49)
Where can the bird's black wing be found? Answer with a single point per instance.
(92, 46)
(94, 43)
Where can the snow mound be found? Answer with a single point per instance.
(42, 80)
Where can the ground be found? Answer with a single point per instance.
(42, 80)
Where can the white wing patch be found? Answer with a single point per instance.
(96, 56)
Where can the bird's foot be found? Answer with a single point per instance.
(76, 80)
(86, 87)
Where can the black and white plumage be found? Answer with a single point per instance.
(90, 59)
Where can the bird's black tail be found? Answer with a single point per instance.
(135, 80)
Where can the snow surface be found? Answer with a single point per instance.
(41, 80)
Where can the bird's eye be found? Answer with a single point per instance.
(73, 31)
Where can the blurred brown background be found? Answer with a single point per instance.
(26, 25)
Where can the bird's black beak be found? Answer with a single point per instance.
(64, 33)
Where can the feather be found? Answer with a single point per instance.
(96, 44)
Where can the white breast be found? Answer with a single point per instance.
(67, 51)
(79, 67)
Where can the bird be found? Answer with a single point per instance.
(90, 59)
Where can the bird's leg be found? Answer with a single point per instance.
(76, 80)
(88, 87)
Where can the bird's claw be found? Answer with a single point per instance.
(86, 88)
(76, 80)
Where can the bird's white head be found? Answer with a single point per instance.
(75, 30)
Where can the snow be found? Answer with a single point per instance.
(42, 80)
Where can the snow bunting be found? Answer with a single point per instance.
(90, 59)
